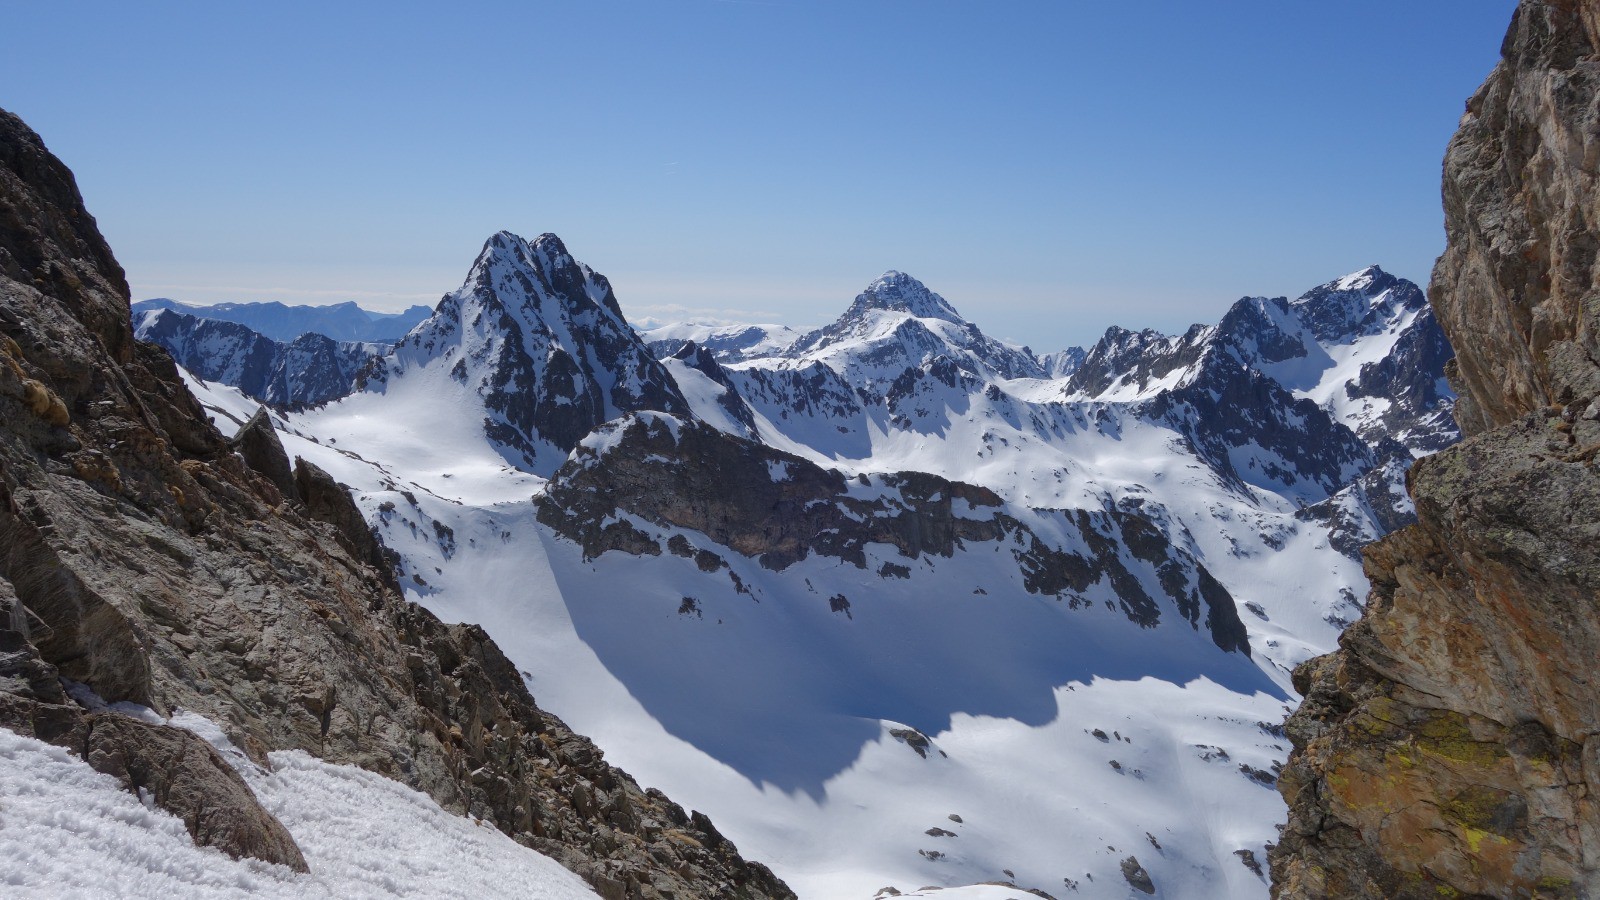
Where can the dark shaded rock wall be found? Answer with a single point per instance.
(142, 557)
(1451, 747)
(778, 508)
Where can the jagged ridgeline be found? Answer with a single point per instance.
(143, 560)
(1451, 747)
(763, 565)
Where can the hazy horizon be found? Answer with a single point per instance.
(1051, 170)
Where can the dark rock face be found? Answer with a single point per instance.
(1136, 876)
(1449, 747)
(257, 442)
(810, 390)
(1230, 409)
(1240, 394)
(329, 501)
(142, 557)
(540, 338)
(780, 508)
(307, 371)
(1134, 357)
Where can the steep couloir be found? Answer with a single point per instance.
(1451, 747)
(144, 559)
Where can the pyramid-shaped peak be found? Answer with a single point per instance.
(894, 290)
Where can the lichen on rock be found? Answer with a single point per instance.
(1450, 747)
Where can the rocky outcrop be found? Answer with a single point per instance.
(1515, 287)
(176, 769)
(326, 500)
(257, 443)
(1451, 747)
(146, 560)
(779, 509)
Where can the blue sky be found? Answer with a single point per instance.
(1051, 167)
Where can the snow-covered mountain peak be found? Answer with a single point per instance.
(1062, 363)
(1260, 331)
(1361, 303)
(898, 324)
(1364, 279)
(898, 292)
(502, 248)
(1126, 364)
(889, 566)
(541, 342)
(523, 273)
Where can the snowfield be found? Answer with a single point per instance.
(923, 724)
(67, 831)
(756, 713)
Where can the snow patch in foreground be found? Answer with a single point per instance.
(69, 831)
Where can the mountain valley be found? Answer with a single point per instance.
(861, 594)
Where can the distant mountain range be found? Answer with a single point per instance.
(279, 322)
(821, 584)
(309, 369)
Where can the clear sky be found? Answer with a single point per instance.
(1051, 166)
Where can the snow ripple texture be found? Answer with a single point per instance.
(67, 831)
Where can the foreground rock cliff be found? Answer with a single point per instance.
(144, 559)
(1451, 747)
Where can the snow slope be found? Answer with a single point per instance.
(69, 831)
(831, 717)
(757, 713)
